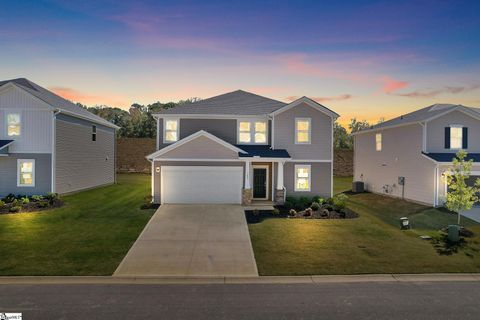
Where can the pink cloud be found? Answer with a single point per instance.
(391, 85)
(436, 92)
(91, 100)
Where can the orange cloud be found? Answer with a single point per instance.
(90, 100)
(391, 85)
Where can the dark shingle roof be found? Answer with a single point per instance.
(261, 151)
(422, 115)
(448, 157)
(4, 143)
(56, 101)
(233, 103)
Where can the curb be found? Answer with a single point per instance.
(320, 279)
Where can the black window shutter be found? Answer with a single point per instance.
(465, 138)
(447, 137)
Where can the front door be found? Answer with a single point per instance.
(260, 182)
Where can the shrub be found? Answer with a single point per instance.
(305, 202)
(52, 197)
(340, 201)
(255, 212)
(315, 206)
(308, 212)
(276, 211)
(25, 200)
(318, 200)
(43, 204)
(2, 204)
(37, 198)
(15, 209)
(292, 212)
(288, 205)
(9, 198)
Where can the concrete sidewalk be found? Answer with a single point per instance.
(192, 240)
(449, 277)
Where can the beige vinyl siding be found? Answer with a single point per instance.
(201, 148)
(158, 164)
(35, 120)
(320, 147)
(436, 131)
(320, 181)
(80, 162)
(400, 156)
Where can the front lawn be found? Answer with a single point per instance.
(89, 235)
(372, 243)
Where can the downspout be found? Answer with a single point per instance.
(54, 150)
(272, 131)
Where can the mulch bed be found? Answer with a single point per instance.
(262, 215)
(32, 207)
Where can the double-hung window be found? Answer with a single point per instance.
(456, 137)
(303, 130)
(14, 126)
(251, 132)
(25, 173)
(171, 130)
(94, 133)
(302, 177)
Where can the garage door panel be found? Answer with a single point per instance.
(198, 184)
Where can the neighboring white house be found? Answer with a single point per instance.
(49, 144)
(409, 156)
(238, 147)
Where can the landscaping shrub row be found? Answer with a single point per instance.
(21, 203)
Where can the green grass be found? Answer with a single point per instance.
(371, 243)
(88, 236)
(342, 184)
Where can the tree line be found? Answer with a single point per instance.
(138, 122)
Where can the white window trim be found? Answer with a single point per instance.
(19, 162)
(165, 131)
(252, 131)
(94, 133)
(299, 166)
(381, 141)
(6, 123)
(461, 142)
(309, 120)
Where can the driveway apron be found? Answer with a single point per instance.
(192, 240)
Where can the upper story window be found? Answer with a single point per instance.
(94, 133)
(456, 137)
(303, 130)
(302, 177)
(378, 142)
(171, 129)
(252, 131)
(25, 173)
(14, 127)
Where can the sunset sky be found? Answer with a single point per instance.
(364, 59)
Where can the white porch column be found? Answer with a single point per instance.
(247, 175)
(280, 176)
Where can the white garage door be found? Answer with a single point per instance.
(197, 184)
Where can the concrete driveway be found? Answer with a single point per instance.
(192, 240)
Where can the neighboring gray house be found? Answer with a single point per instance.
(417, 148)
(240, 147)
(48, 144)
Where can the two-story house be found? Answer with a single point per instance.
(410, 156)
(48, 144)
(240, 147)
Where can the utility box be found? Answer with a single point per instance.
(358, 187)
(453, 233)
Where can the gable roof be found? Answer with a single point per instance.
(56, 101)
(311, 103)
(423, 115)
(201, 133)
(233, 103)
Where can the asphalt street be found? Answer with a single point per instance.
(366, 300)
